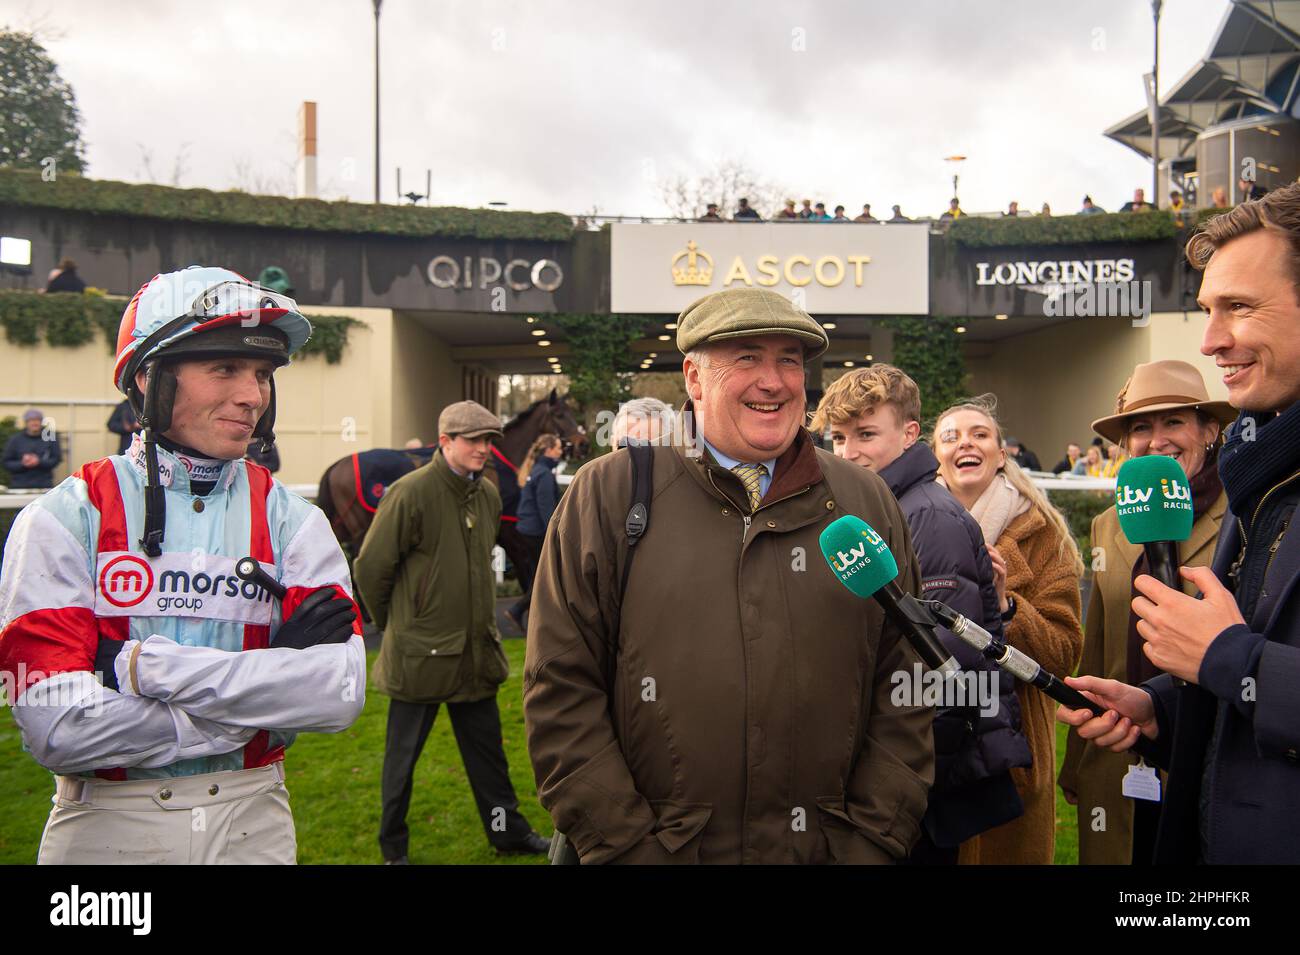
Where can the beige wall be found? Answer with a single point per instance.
(1052, 384)
(73, 386)
(323, 411)
(424, 380)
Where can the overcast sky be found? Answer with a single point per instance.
(594, 103)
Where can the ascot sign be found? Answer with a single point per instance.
(852, 269)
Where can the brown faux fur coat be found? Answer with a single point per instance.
(1046, 626)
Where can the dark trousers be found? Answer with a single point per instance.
(526, 574)
(477, 727)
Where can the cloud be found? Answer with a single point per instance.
(550, 106)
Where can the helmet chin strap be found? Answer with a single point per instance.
(154, 412)
(155, 417)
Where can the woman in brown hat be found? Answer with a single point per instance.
(1164, 408)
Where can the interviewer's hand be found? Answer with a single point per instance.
(1178, 629)
(324, 617)
(1129, 711)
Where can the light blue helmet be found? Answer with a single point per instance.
(171, 311)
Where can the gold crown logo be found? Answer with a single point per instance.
(693, 274)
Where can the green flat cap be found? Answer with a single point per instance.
(743, 313)
(470, 419)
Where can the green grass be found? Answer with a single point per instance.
(1067, 819)
(333, 785)
(334, 788)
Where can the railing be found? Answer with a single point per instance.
(1045, 481)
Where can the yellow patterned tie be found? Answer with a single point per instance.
(751, 475)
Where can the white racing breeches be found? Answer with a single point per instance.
(232, 818)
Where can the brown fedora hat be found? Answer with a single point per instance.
(1161, 386)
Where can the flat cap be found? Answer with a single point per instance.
(470, 419)
(744, 313)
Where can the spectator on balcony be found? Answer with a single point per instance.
(1013, 209)
(866, 214)
(1090, 208)
(953, 212)
(711, 214)
(806, 212)
(898, 215)
(820, 214)
(65, 278)
(840, 216)
(788, 212)
(1138, 203)
(744, 211)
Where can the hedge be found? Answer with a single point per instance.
(69, 320)
(1063, 230)
(104, 197)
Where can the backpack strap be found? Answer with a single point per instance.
(634, 526)
(638, 515)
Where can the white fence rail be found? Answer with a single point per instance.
(13, 500)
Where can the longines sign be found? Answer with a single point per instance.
(827, 269)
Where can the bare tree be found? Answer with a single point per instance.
(144, 170)
(281, 179)
(258, 181)
(730, 180)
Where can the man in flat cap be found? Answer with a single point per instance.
(425, 572)
(730, 702)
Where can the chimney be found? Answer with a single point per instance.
(307, 151)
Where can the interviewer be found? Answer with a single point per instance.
(1231, 740)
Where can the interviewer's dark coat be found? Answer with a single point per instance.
(974, 754)
(1246, 778)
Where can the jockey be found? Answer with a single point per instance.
(158, 685)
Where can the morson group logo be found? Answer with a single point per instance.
(178, 585)
(126, 580)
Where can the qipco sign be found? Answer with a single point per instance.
(519, 275)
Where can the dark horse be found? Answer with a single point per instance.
(351, 487)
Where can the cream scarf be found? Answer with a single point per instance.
(997, 507)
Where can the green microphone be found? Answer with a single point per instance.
(861, 560)
(1153, 499)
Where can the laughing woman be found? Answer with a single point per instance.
(1036, 567)
(1163, 409)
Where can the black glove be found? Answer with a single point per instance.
(324, 617)
(106, 659)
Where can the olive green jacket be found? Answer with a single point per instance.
(425, 574)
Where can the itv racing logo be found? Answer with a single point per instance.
(178, 585)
